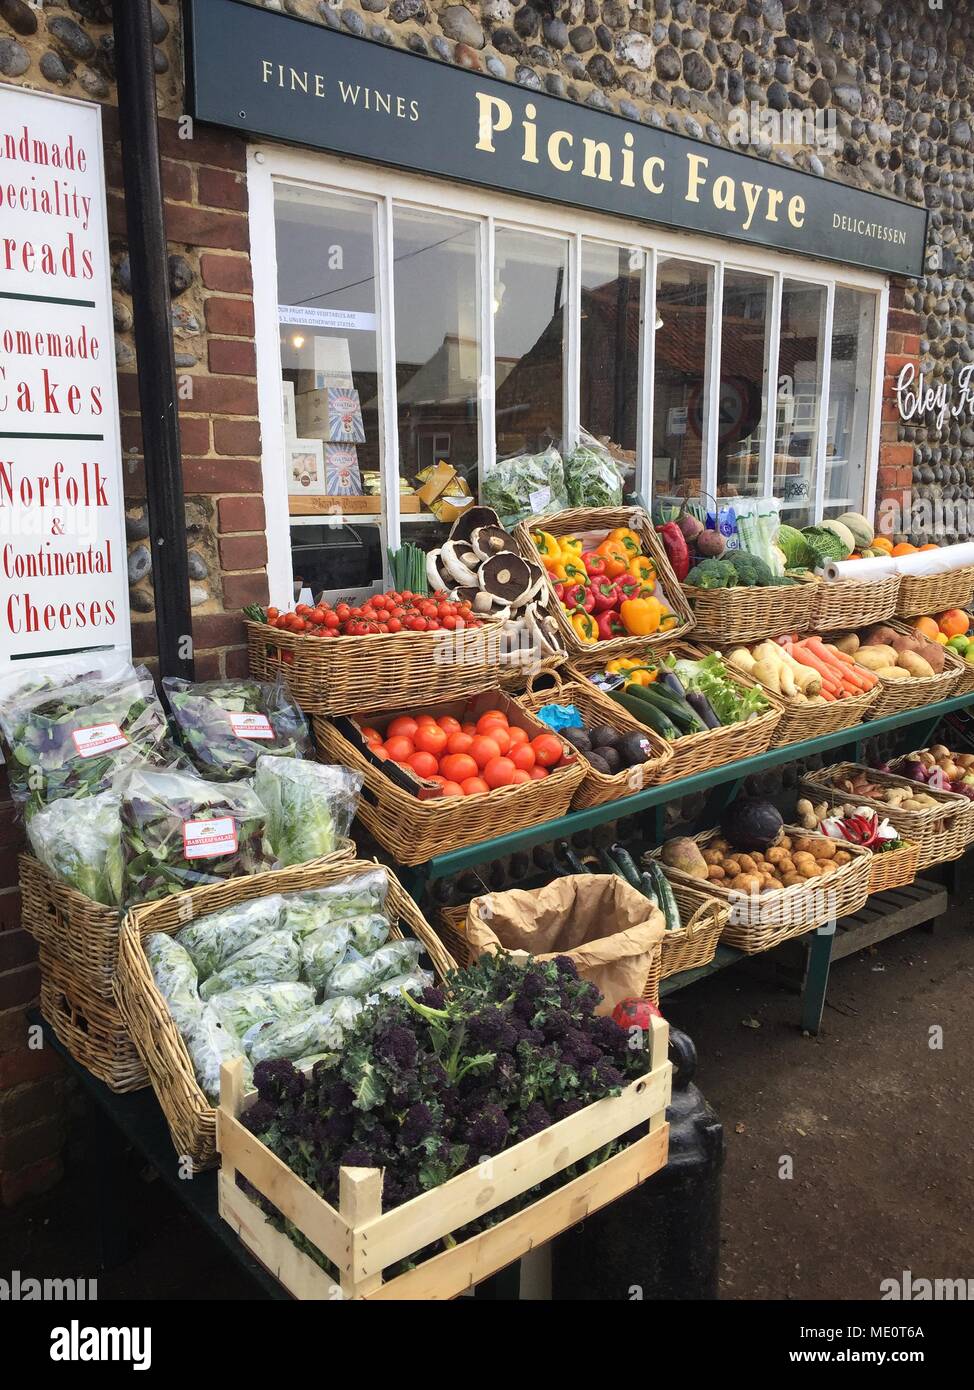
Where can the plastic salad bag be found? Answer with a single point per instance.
(414, 983)
(592, 476)
(368, 933)
(86, 723)
(226, 726)
(175, 977)
(209, 1045)
(275, 956)
(309, 806)
(361, 974)
(216, 938)
(321, 951)
(526, 485)
(250, 1006)
(321, 1029)
(179, 832)
(80, 842)
(362, 895)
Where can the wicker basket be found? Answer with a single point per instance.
(704, 918)
(896, 696)
(849, 603)
(940, 833)
(380, 671)
(91, 1028)
(453, 923)
(601, 520)
(413, 830)
(597, 787)
(894, 868)
(83, 935)
(800, 721)
(965, 681)
(932, 593)
(699, 752)
(191, 1117)
(756, 924)
(746, 614)
(898, 766)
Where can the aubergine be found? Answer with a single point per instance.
(702, 706)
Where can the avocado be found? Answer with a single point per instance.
(604, 736)
(578, 738)
(598, 762)
(610, 755)
(632, 750)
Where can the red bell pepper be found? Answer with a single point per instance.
(560, 593)
(594, 563)
(578, 598)
(677, 551)
(630, 587)
(610, 625)
(605, 593)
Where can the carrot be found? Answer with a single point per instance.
(809, 658)
(863, 679)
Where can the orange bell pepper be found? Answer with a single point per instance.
(616, 558)
(626, 536)
(641, 616)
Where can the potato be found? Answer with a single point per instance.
(848, 644)
(786, 866)
(826, 868)
(785, 842)
(720, 844)
(747, 883)
(790, 880)
(825, 850)
(880, 635)
(893, 673)
(777, 854)
(802, 859)
(809, 870)
(874, 658)
(716, 874)
(842, 856)
(712, 856)
(747, 863)
(732, 867)
(916, 665)
(802, 844)
(773, 885)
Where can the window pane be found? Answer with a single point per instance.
(609, 347)
(684, 292)
(530, 292)
(436, 278)
(331, 383)
(799, 399)
(743, 383)
(847, 430)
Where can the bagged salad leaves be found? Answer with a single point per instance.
(175, 977)
(179, 832)
(414, 983)
(251, 1006)
(360, 975)
(526, 485)
(226, 726)
(216, 938)
(209, 1045)
(592, 476)
(87, 722)
(360, 896)
(367, 933)
(321, 951)
(321, 1029)
(80, 842)
(309, 806)
(275, 956)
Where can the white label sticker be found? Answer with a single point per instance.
(209, 839)
(539, 499)
(251, 726)
(98, 738)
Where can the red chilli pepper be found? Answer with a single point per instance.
(677, 551)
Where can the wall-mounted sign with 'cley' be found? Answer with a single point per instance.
(289, 79)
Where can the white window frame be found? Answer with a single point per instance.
(384, 187)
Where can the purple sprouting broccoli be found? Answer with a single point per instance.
(487, 1130)
(278, 1081)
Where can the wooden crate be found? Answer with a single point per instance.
(360, 1240)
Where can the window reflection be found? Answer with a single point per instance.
(800, 348)
(530, 291)
(741, 421)
(847, 429)
(684, 292)
(609, 346)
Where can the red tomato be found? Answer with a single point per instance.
(474, 786)
(537, 773)
(501, 735)
(523, 757)
(459, 742)
(482, 749)
(423, 764)
(452, 789)
(518, 735)
(430, 738)
(491, 716)
(520, 776)
(547, 749)
(449, 724)
(457, 767)
(425, 718)
(403, 725)
(377, 750)
(499, 772)
(371, 735)
(400, 748)
(469, 728)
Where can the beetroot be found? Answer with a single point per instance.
(710, 545)
(690, 527)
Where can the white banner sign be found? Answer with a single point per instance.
(63, 574)
(304, 316)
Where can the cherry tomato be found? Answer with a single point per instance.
(423, 764)
(430, 738)
(404, 724)
(399, 747)
(499, 772)
(482, 749)
(474, 786)
(394, 625)
(547, 749)
(523, 757)
(457, 767)
(272, 613)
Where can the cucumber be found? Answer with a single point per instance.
(571, 858)
(647, 714)
(609, 865)
(672, 705)
(648, 890)
(664, 893)
(627, 865)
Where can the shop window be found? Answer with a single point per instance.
(611, 291)
(743, 392)
(331, 385)
(684, 304)
(436, 278)
(530, 294)
(800, 351)
(850, 379)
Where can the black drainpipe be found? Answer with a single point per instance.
(135, 72)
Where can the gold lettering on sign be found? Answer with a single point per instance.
(495, 114)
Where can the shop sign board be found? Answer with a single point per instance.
(63, 575)
(273, 75)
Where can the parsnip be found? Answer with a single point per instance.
(807, 680)
(768, 673)
(741, 659)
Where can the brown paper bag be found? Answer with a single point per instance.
(610, 931)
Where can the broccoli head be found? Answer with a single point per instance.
(712, 574)
(751, 570)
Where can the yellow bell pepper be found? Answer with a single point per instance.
(668, 621)
(643, 568)
(568, 571)
(641, 616)
(547, 547)
(586, 628)
(621, 663)
(571, 544)
(641, 676)
(626, 536)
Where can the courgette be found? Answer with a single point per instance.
(675, 709)
(664, 894)
(646, 714)
(610, 866)
(571, 858)
(648, 890)
(627, 864)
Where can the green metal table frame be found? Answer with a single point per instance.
(722, 782)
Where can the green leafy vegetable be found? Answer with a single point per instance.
(798, 554)
(824, 545)
(592, 476)
(309, 806)
(81, 843)
(527, 485)
(713, 574)
(226, 726)
(731, 703)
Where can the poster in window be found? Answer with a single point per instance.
(305, 468)
(333, 363)
(344, 416)
(287, 403)
(343, 478)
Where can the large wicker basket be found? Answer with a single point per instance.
(848, 603)
(746, 614)
(703, 919)
(899, 768)
(756, 923)
(90, 1027)
(941, 833)
(599, 521)
(699, 752)
(379, 671)
(893, 868)
(931, 593)
(82, 934)
(415, 830)
(896, 696)
(191, 1117)
(597, 787)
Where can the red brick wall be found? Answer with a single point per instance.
(894, 479)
